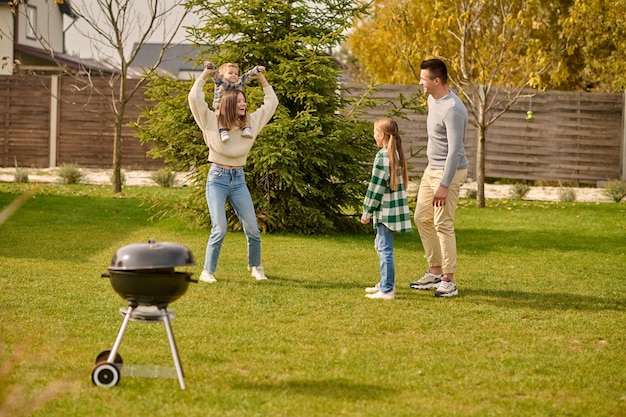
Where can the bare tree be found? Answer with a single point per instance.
(112, 24)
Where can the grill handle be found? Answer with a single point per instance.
(105, 275)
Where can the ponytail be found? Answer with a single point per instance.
(397, 161)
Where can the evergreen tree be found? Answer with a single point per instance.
(308, 169)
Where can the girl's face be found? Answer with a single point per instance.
(379, 137)
(241, 104)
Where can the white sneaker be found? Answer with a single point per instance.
(383, 295)
(446, 289)
(224, 135)
(206, 276)
(247, 133)
(258, 273)
(373, 290)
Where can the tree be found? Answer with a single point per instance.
(113, 23)
(596, 30)
(308, 167)
(487, 44)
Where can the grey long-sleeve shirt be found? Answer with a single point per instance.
(446, 126)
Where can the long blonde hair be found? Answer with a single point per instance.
(397, 161)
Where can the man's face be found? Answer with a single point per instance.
(428, 84)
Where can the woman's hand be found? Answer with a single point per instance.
(262, 79)
(209, 70)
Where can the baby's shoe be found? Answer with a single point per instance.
(224, 135)
(247, 133)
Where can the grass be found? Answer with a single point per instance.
(538, 328)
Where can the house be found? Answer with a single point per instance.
(32, 39)
(177, 60)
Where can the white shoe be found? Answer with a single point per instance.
(258, 273)
(373, 290)
(206, 276)
(224, 135)
(246, 133)
(383, 295)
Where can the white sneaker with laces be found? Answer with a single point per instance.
(224, 135)
(446, 289)
(206, 276)
(258, 273)
(246, 133)
(373, 290)
(383, 295)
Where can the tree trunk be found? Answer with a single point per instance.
(117, 153)
(480, 166)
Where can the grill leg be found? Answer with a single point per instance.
(170, 336)
(118, 341)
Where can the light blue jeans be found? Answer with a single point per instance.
(384, 246)
(223, 184)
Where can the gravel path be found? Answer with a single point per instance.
(99, 176)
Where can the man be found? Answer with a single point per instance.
(442, 180)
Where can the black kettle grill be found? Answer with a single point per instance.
(145, 275)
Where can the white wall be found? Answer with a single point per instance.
(6, 40)
(49, 25)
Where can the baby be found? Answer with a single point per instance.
(226, 78)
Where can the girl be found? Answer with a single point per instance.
(386, 202)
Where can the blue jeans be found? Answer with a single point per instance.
(384, 246)
(222, 184)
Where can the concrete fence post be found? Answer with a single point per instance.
(54, 120)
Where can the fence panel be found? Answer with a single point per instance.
(25, 121)
(86, 132)
(575, 137)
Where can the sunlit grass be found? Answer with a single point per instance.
(537, 329)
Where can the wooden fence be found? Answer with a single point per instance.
(575, 138)
(50, 120)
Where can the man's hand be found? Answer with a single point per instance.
(441, 195)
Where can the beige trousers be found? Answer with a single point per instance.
(436, 224)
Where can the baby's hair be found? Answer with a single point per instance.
(227, 116)
(397, 161)
(227, 65)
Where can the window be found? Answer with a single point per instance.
(31, 22)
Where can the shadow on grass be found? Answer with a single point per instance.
(543, 301)
(61, 228)
(334, 388)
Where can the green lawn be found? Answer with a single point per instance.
(538, 328)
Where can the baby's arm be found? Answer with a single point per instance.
(251, 75)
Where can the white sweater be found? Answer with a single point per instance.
(234, 151)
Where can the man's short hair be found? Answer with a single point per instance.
(437, 69)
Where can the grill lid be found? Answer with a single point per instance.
(151, 255)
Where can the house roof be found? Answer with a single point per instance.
(176, 59)
(64, 60)
(66, 8)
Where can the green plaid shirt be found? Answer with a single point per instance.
(385, 206)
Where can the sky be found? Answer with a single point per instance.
(78, 33)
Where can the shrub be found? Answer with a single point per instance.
(20, 175)
(567, 195)
(615, 190)
(122, 177)
(70, 174)
(519, 191)
(471, 193)
(164, 177)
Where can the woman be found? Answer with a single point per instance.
(226, 179)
